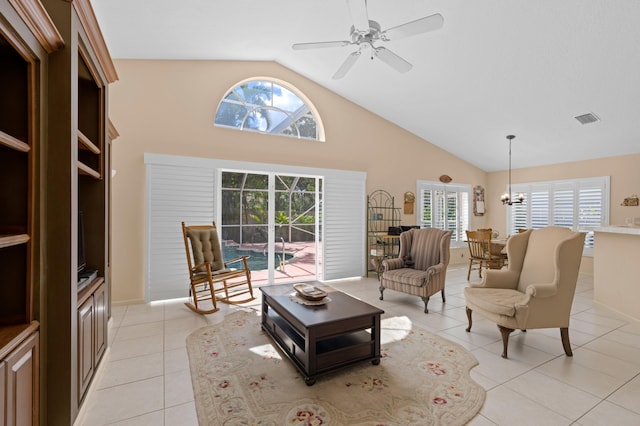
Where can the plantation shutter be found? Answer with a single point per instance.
(519, 215)
(462, 217)
(539, 208)
(444, 207)
(439, 209)
(580, 204)
(175, 194)
(563, 205)
(427, 212)
(344, 213)
(590, 211)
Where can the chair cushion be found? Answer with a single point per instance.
(408, 276)
(206, 248)
(495, 300)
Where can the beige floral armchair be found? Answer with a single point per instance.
(421, 267)
(537, 288)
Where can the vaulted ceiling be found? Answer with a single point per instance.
(496, 67)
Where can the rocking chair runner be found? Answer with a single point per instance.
(209, 274)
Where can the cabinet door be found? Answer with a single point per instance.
(22, 384)
(100, 313)
(3, 384)
(85, 345)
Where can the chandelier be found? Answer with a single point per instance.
(507, 198)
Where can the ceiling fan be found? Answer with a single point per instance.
(365, 33)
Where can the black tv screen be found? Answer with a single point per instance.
(82, 260)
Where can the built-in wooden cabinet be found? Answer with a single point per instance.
(54, 142)
(21, 369)
(92, 333)
(78, 180)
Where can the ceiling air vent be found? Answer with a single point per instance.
(587, 118)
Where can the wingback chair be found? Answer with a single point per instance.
(421, 267)
(537, 288)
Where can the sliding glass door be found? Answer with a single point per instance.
(273, 218)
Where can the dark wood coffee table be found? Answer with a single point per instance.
(319, 339)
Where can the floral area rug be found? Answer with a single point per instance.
(240, 377)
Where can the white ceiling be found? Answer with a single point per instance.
(497, 67)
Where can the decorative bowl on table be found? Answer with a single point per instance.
(309, 292)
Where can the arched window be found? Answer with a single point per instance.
(268, 106)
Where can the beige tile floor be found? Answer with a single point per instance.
(144, 378)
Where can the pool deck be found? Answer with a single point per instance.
(301, 267)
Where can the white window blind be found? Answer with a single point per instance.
(344, 213)
(174, 194)
(444, 207)
(579, 204)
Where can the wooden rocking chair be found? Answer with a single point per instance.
(209, 275)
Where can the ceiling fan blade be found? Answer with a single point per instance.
(359, 15)
(419, 26)
(320, 45)
(393, 60)
(347, 64)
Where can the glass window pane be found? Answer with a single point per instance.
(230, 114)
(284, 183)
(267, 107)
(255, 181)
(286, 100)
(232, 96)
(230, 207)
(275, 119)
(307, 126)
(232, 180)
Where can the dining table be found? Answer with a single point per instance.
(498, 248)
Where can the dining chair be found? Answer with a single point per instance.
(481, 253)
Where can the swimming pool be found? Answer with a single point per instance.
(256, 261)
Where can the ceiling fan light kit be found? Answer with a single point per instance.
(366, 33)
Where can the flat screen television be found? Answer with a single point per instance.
(82, 256)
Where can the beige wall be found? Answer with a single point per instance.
(167, 107)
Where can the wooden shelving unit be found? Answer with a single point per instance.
(21, 84)
(17, 190)
(92, 202)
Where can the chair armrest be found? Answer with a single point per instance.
(236, 260)
(391, 264)
(506, 279)
(200, 266)
(542, 290)
(436, 269)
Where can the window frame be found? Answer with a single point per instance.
(462, 219)
(568, 195)
(307, 108)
